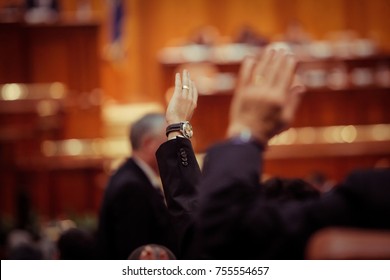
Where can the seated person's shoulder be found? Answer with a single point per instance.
(369, 177)
(367, 185)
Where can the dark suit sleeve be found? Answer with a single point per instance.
(180, 174)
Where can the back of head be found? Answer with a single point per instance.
(152, 252)
(21, 246)
(75, 244)
(149, 125)
(25, 252)
(289, 190)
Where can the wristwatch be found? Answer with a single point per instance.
(184, 128)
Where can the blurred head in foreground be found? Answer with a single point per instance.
(152, 252)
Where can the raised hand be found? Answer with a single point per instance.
(266, 97)
(183, 101)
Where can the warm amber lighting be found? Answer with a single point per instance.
(96, 146)
(13, 92)
(47, 108)
(333, 134)
(288, 137)
(348, 133)
(72, 147)
(49, 148)
(57, 90)
(306, 135)
(116, 147)
(381, 132)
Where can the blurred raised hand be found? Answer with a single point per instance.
(267, 95)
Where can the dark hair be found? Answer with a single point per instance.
(25, 251)
(146, 125)
(76, 244)
(289, 189)
(156, 249)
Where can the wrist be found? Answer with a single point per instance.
(244, 134)
(183, 128)
(173, 121)
(174, 134)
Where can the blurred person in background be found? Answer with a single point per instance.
(22, 246)
(76, 244)
(285, 190)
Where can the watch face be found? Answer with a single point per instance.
(187, 130)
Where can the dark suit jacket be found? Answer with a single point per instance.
(234, 220)
(132, 214)
(180, 174)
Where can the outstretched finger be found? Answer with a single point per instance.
(244, 76)
(185, 82)
(177, 84)
(194, 95)
(262, 66)
(292, 102)
(287, 71)
(190, 91)
(275, 67)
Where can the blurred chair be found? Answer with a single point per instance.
(349, 243)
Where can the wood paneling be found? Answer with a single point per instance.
(12, 66)
(162, 21)
(63, 52)
(152, 24)
(46, 53)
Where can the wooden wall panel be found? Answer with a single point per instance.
(378, 21)
(260, 15)
(64, 53)
(151, 24)
(171, 19)
(162, 21)
(320, 17)
(48, 55)
(12, 67)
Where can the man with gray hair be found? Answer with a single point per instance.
(133, 212)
